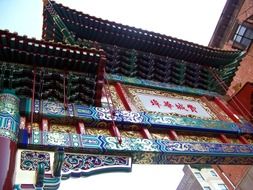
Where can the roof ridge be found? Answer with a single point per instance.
(159, 35)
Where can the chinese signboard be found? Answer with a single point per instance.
(172, 105)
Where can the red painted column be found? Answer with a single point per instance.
(224, 139)
(223, 106)
(8, 150)
(115, 132)
(144, 131)
(81, 128)
(173, 135)
(213, 109)
(123, 99)
(10, 119)
(243, 140)
(44, 125)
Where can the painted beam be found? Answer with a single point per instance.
(73, 165)
(93, 116)
(160, 85)
(147, 151)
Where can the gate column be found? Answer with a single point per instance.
(9, 125)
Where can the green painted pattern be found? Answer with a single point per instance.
(159, 85)
(9, 115)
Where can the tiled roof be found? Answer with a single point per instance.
(103, 31)
(134, 52)
(83, 68)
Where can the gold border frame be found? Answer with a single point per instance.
(132, 92)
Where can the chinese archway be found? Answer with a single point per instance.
(96, 96)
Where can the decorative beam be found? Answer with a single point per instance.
(147, 151)
(74, 165)
(93, 116)
(160, 86)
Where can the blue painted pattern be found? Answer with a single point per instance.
(150, 151)
(97, 116)
(30, 159)
(77, 165)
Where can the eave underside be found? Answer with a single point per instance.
(142, 54)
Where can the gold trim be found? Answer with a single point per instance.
(35, 127)
(62, 129)
(97, 131)
(220, 111)
(192, 138)
(116, 99)
(235, 141)
(130, 134)
(249, 138)
(163, 136)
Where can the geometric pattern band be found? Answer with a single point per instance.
(95, 116)
(148, 151)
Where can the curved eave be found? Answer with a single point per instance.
(20, 49)
(88, 27)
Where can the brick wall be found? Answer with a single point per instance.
(234, 173)
(245, 70)
(244, 73)
(246, 10)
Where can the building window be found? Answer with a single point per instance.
(199, 176)
(222, 187)
(207, 188)
(213, 174)
(243, 36)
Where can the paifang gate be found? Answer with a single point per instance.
(96, 96)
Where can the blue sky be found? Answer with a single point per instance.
(192, 20)
(22, 16)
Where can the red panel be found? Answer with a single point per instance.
(241, 101)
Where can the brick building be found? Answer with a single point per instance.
(198, 178)
(235, 31)
(235, 177)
